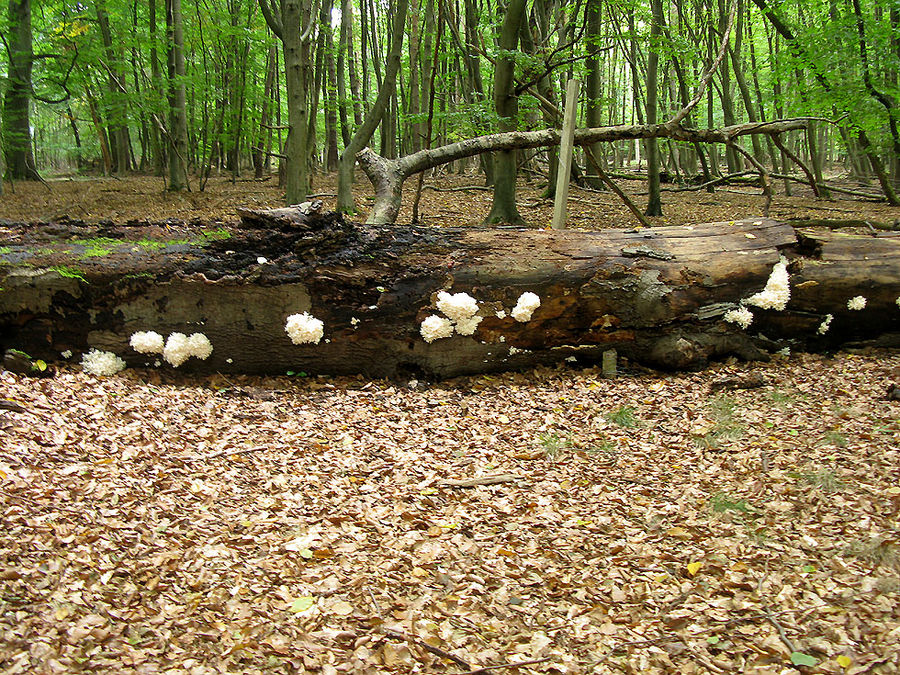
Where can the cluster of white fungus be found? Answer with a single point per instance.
(857, 303)
(101, 363)
(777, 291)
(147, 342)
(898, 301)
(435, 327)
(525, 306)
(742, 316)
(304, 328)
(460, 310)
(458, 306)
(825, 325)
(177, 349)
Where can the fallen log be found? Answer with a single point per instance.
(656, 296)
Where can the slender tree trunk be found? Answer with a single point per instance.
(17, 143)
(331, 99)
(593, 88)
(364, 132)
(117, 110)
(654, 201)
(178, 142)
(476, 83)
(506, 104)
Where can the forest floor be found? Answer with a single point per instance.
(647, 524)
(158, 522)
(459, 200)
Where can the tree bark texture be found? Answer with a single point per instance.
(655, 296)
(17, 145)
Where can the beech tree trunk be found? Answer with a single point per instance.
(657, 296)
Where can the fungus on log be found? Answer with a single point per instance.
(657, 296)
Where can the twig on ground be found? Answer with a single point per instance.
(517, 664)
(236, 451)
(483, 480)
(437, 651)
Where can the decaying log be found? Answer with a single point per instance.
(655, 296)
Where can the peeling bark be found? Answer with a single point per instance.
(656, 296)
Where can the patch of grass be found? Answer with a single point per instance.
(139, 275)
(726, 426)
(219, 234)
(835, 438)
(780, 397)
(98, 246)
(623, 416)
(604, 447)
(68, 272)
(876, 551)
(5, 249)
(722, 502)
(553, 444)
(824, 479)
(151, 244)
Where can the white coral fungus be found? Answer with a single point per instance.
(825, 325)
(457, 307)
(101, 363)
(898, 301)
(304, 328)
(435, 327)
(177, 350)
(857, 303)
(777, 291)
(525, 306)
(468, 326)
(742, 316)
(199, 346)
(147, 342)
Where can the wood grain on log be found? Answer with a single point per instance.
(655, 296)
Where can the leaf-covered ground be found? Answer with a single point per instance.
(155, 523)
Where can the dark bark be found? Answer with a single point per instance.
(657, 297)
(654, 200)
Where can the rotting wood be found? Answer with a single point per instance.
(372, 286)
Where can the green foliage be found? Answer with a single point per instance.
(725, 423)
(553, 444)
(623, 416)
(68, 272)
(219, 234)
(722, 502)
(98, 246)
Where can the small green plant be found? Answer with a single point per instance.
(824, 479)
(605, 448)
(219, 234)
(151, 244)
(97, 247)
(623, 416)
(876, 551)
(835, 438)
(68, 273)
(780, 397)
(722, 502)
(725, 427)
(553, 444)
(5, 249)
